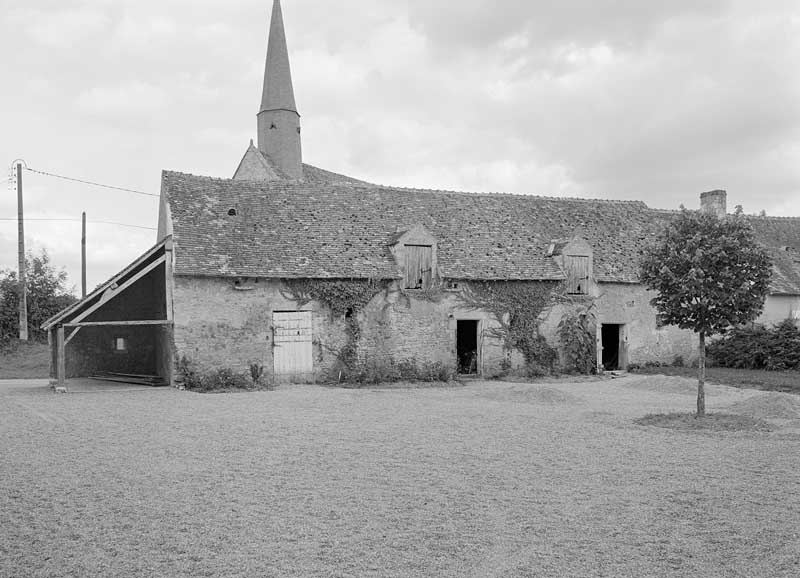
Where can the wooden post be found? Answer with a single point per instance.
(168, 277)
(168, 332)
(83, 254)
(23, 289)
(62, 362)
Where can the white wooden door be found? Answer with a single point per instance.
(292, 351)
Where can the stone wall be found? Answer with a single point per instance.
(779, 307)
(221, 324)
(629, 305)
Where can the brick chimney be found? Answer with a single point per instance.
(714, 202)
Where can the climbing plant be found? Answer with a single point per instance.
(576, 334)
(342, 297)
(517, 306)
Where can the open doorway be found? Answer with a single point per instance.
(467, 346)
(612, 347)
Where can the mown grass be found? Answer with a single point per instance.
(24, 360)
(488, 479)
(784, 381)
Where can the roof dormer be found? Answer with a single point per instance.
(576, 259)
(414, 251)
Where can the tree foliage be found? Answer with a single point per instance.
(47, 295)
(710, 275)
(577, 335)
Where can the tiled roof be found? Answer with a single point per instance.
(319, 229)
(317, 176)
(331, 226)
(781, 235)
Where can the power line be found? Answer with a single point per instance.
(45, 173)
(78, 220)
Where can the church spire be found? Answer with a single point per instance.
(278, 92)
(278, 120)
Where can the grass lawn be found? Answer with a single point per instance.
(24, 360)
(488, 479)
(787, 381)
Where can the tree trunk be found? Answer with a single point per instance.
(701, 377)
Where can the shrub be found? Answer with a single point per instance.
(223, 378)
(386, 370)
(374, 370)
(256, 371)
(576, 333)
(758, 347)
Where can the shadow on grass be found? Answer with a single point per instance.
(711, 422)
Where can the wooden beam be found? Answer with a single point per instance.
(168, 277)
(61, 367)
(119, 323)
(119, 290)
(97, 293)
(71, 335)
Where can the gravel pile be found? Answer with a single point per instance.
(772, 405)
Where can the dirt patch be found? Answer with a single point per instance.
(663, 384)
(771, 405)
(711, 422)
(533, 394)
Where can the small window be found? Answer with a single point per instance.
(120, 344)
(419, 266)
(577, 270)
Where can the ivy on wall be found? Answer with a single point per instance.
(343, 298)
(577, 336)
(517, 306)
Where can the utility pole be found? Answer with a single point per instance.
(23, 290)
(83, 254)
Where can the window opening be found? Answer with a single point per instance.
(120, 344)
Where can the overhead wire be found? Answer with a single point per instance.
(85, 182)
(94, 184)
(78, 221)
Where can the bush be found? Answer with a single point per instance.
(223, 378)
(576, 333)
(386, 370)
(758, 347)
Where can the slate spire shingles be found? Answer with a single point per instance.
(278, 93)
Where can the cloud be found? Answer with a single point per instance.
(61, 28)
(135, 99)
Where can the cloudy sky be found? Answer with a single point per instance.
(618, 99)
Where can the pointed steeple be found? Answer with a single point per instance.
(278, 120)
(278, 92)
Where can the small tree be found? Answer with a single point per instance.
(710, 274)
(47, 295)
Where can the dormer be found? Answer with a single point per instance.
(576, 259)
(414, 251)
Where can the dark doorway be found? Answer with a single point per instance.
(467, 346)
(611, 339)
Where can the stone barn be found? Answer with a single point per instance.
(309, 273)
